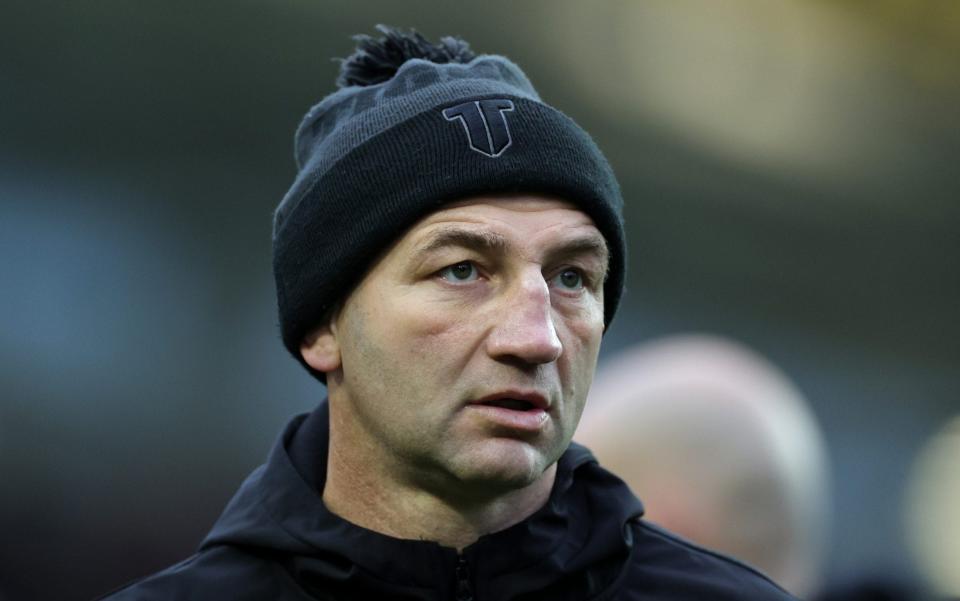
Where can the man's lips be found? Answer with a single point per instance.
(515, 400)
(522, 411)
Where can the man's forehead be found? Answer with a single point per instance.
(499, 223)
(509, 211)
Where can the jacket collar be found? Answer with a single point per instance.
(577, 540)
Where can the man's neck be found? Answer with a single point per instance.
(366, 491)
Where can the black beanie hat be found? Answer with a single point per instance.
(396, 143)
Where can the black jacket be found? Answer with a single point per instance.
(276, 541)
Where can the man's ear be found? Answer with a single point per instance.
(320, 348)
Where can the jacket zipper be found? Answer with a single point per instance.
(463, 580)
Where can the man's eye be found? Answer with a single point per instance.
(460, 272)
(570, 279)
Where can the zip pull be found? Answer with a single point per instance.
(463, 580)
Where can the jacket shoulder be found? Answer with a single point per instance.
(220, 573)
(666, 566)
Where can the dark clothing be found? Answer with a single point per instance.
(277, 541)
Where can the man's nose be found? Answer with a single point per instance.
(524, 331)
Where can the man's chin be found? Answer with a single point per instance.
(502, 466)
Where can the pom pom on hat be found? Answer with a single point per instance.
(376, 60)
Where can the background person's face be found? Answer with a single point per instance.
(492, 296)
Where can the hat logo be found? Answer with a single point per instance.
(485, 124)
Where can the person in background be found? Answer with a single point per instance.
(722, 448)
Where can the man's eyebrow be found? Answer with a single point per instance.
(479, 240)
(585, 245)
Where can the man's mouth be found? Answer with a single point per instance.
(512, 404)
(516, 400)
(519, 411)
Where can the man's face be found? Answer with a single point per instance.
(463, 358)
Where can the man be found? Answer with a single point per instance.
(446, 261)
(722, 448)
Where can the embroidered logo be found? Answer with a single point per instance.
(485, 124)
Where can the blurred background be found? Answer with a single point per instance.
(790, 175)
